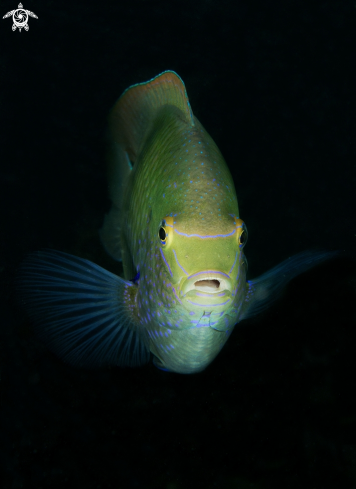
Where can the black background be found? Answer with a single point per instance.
(274, 84)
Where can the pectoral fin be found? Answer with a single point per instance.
(84, 313)
(264, 290)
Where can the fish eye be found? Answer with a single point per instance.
(241, 232)
(165, 230)
(162, 234)
(243, 236)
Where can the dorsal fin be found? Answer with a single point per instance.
(133, 113)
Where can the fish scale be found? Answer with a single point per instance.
(175, 225)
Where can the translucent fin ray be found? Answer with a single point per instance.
(84, 313)
(264, 290)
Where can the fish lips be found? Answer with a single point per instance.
(211, 290)
(210, 282)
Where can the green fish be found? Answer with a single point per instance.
(176, 227)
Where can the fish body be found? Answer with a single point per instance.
(175, 225)
(193, 283)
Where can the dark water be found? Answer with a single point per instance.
(274, 84)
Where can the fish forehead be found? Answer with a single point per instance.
(193, 254)
(183, 174)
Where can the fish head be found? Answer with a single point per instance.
(206, 270)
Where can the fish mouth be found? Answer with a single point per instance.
(208, 283)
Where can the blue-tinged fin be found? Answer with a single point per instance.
(264, 290)
(85, 314)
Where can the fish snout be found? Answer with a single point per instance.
(209, 282)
